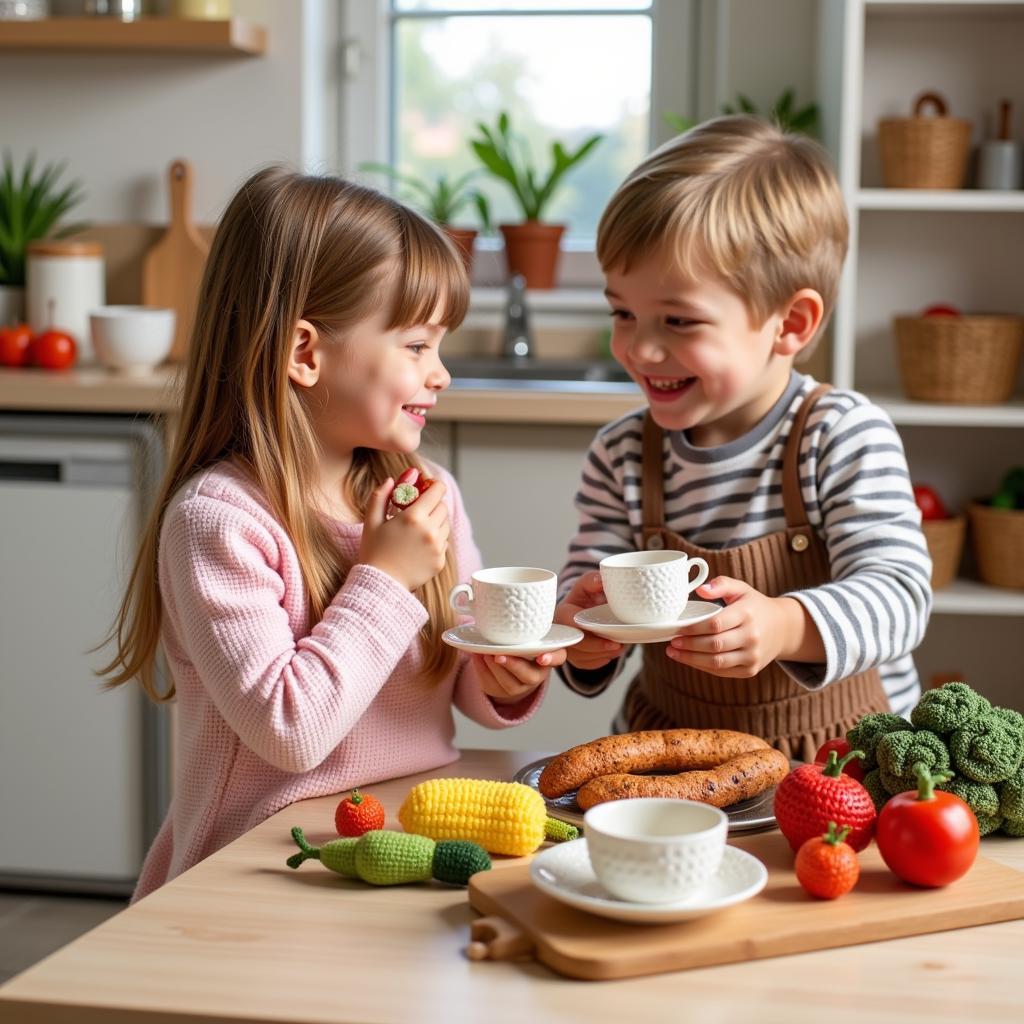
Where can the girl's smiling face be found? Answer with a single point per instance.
(376, 386)
(690, 344)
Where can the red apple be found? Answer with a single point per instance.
(14, 345)
(929, 503)
(54, 350)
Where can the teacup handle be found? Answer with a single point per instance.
(702, 572)
(466, 590)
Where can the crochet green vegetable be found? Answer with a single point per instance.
(872, 782)
(899, 752)
(383, 857)
(1011, 796)
(869, 730)
(987, 749)
(947, 708)
(981, 798)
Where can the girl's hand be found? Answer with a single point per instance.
(592, 651)
(749, 633)
(507, 680)
(411, 547)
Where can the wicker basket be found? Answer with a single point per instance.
(998, 535)
(924, 152)
(970, 360)
(945, 539)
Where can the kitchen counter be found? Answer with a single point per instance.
(95, 390)
(241, 937)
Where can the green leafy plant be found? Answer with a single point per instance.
(31, 204)
(441, 200)
(783, 112)
(508, 158)
(678, 123)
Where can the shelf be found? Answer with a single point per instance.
(969, 597)
(943, 8)
(904, 410)
(963, 200)
(235, 37)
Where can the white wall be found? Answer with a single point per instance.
(120, 119)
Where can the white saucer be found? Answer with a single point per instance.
(565, 874)
(601, 621)
(468, 638)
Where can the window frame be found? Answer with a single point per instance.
(692, 87)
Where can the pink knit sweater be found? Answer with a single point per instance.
(270, 713)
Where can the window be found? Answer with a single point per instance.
(420, 75)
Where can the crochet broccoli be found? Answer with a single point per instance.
(869, 730)
(987, 749)
(872, 782)
(1011, 796)
(948, 708)
(899, 752)
(981, 798)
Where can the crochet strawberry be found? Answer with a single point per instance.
(409, 486)
(358, 813)
(807, 799)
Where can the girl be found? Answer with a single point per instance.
(302, 629)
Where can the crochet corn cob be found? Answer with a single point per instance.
(382, 857)
(503, 817)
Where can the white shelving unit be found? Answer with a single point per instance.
(910, 248)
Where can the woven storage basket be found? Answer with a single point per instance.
(945, 539)
(924, 152)
(962, 359)
(998, 536)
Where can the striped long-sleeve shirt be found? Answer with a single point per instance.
(859, 500)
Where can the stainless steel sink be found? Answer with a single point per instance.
(497, 371)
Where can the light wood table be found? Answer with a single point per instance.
(241, 937)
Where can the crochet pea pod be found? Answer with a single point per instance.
(382, 857)
(987, 749)
(503, 817)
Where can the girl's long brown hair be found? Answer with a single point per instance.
(291, 247)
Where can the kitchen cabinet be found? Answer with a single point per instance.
(912, 248)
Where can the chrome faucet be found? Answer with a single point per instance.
(517, 343)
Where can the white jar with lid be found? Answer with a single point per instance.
(64, 279)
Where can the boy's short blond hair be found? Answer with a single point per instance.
(759, 207)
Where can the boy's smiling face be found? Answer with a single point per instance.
(690, 343)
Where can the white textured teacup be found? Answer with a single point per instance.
(650, 586)
(652, 850)
(510, 605)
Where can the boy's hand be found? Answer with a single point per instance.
(411, 547)
(592, 651)
(507, 680)
(750, 632)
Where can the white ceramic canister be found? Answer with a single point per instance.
(63, 281)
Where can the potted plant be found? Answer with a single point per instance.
(531, 248)
(783, 113)
(31, 204)
(442, 201)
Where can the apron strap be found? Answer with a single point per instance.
(653, 475)
(792, 494)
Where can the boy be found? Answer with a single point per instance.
(722, 254)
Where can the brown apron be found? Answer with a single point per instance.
(667, 694)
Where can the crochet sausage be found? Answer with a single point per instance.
(739, 778)
(664, 750)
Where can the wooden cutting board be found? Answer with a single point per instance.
(779, 921)
(173, 268)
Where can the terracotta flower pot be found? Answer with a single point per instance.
(462, 239)
(532, 249)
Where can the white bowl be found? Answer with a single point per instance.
(131, 339)
(652, 850)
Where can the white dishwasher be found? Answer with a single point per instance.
(83, 771)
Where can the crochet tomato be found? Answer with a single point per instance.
(842, 747)
(15, 345)
(827, 866)
(53, 350)
(928, 838)
(811, 796)
(941, 309)
(929, 503)
(358, 813)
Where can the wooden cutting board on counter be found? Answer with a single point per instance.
(173, 268)
(782, 919)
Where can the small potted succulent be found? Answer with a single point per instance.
(31, 204)
(531, 247)
(442, 201)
